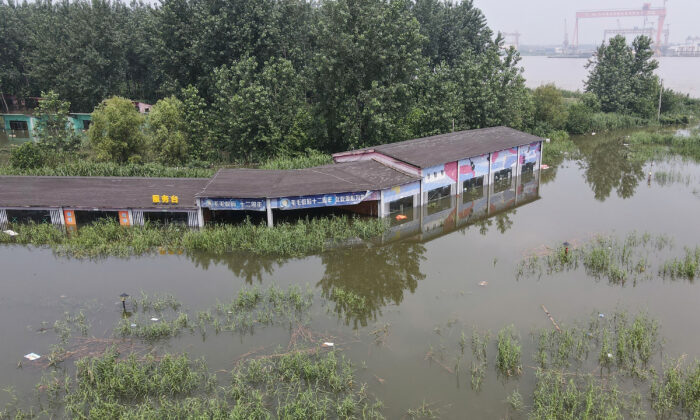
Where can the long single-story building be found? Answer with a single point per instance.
(389, 180)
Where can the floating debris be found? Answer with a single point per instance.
(32, 356)
(483, 283)
(327, 344)
(10, 232)
(154, 319)
(543, 166)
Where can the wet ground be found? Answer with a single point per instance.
(421, 287)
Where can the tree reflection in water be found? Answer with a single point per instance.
(247, 266)
(380, 275)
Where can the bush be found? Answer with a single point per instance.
(580, 119)
(27, 156)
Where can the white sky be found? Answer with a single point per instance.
(542, 21)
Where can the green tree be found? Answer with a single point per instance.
(369, 53)
(259, 113)
(622, 76)
(491, 89)
(549, 106)
(13, 40)
(451, 28)
(167, 139)
(115, 133)
(196, 124)
(52, 128)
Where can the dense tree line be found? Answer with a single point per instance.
(260, 77)
(243, 80)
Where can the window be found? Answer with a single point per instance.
(18, 125)
(439, 193)
(473, 189)
(528, 167)
(502, 180)
(86, 124)
(403, 207)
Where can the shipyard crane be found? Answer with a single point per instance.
(646, 11)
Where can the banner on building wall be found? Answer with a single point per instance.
(323, 200)
(252, 204)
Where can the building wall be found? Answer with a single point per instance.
(504, 159)
(473, 168)
(439, 176)
(19, 117)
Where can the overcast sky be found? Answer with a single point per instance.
(542, 21)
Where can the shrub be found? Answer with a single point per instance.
(27, 156)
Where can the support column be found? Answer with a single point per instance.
(3, 218)
(488, 187)
(381, 204)
(269, 213)
(193, 218)
(539, 156)
(200, 213)
(422, 200)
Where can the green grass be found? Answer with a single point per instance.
(292, 386)
(687, 267)
(603, 257)
(88, 168)
(509, 349)
(107, 238)
(307, 160)
(665, 144)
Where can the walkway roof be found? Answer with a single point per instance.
(335, 178)
(436, 150)
(97, 192)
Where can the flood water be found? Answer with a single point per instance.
(422, 283)
(678, 73)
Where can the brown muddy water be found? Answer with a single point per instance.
(425, 289)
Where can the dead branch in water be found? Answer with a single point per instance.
(551, 318)
(429, 356)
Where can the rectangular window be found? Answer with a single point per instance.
(18, 125)
(473, 189)
(86, 124)
(401, 211)
(502, 180)
(528, 167)
(439, 193)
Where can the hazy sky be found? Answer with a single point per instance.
(542, 21)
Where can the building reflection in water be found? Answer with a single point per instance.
(474, 205)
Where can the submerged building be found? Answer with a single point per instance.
(390, 180)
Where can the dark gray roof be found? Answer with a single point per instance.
(443, 148)
(328, 179)
(96, 192)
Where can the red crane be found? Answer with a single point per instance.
(645, 11)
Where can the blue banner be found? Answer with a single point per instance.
(254, 204)
(308, 201)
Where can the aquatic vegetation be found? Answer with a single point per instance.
(560, 396)
(508, 356)
(108, 238)
(664, 144)
(603, 257)
(348, 302)
(664, 178)
(677, 390)
(479, 343)
(687, 267)
(295, 385)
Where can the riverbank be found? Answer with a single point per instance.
(107, 238)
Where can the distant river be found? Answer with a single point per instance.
(681, 74)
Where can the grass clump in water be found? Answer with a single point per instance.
(687, 267)
(508, 357)
(479, 344)
(677, 390)
(293, 385)
(665, 144)
(108, 238)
